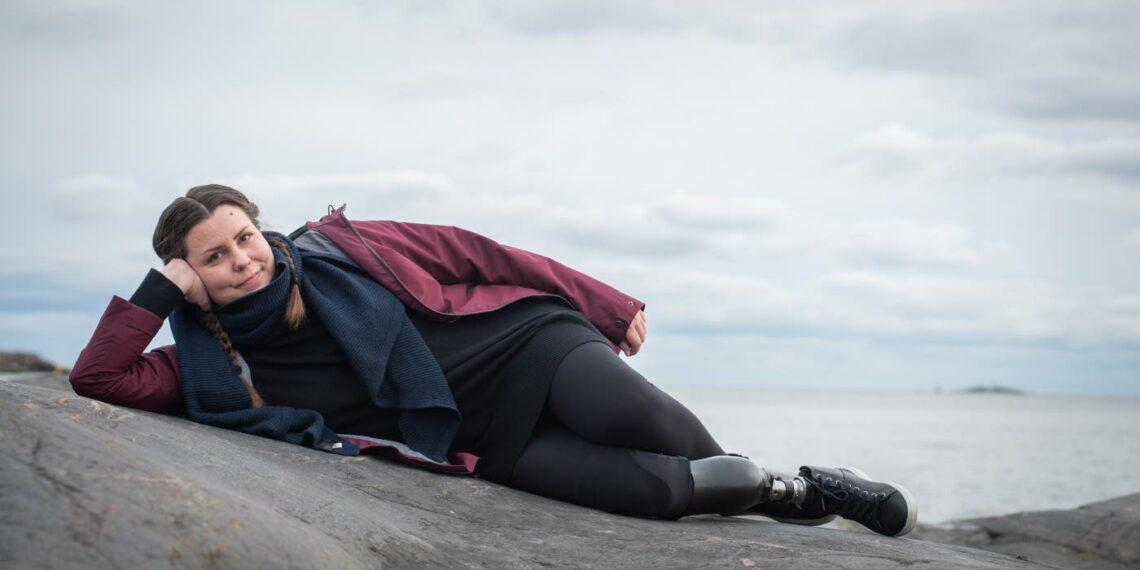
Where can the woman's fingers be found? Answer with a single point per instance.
(637, 329)
(182, 275)
(198, 295)
(640, 325)
(634, 335)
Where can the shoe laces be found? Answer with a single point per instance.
(847, 500)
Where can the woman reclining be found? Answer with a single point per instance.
(435, 346)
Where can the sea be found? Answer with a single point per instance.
(961, 455)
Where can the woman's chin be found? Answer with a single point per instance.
(236, 293)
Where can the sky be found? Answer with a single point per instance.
(879, 195)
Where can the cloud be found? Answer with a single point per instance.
(1044, 61)
(1003, 311)
(721, 238)
(898, 150)
(673, 226)
(726, 19)
(1132, 240)
(96, 196)
(1071, 96)
(632, 231)
(620, 19)
(890, 244)
(594, 16)
(742, 230)
(678, 226)
(723, 213)
(892, 150)
(959, 39)
(384, 194)
(1112, 158)
(66, 21)
(895, 309)
(691, 302)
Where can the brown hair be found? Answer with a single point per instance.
(169, 243)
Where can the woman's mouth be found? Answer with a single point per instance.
(252, 279)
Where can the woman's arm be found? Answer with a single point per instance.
(113, 367)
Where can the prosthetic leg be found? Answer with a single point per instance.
(729, 484)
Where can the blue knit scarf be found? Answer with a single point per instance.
(368, 322)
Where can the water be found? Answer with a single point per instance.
(961, 455)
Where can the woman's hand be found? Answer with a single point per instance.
(181, 274)
(635, 335)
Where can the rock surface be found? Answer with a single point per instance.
(86, 484)
(1099, 535)
(23, 362)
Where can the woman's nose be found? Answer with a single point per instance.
(241, 259)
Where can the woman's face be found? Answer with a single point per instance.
(229, 254)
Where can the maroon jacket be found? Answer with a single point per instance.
(441, 272)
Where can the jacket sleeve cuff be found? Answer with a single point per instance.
(157, 294)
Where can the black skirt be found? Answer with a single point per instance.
(500, 366)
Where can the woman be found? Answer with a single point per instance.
(439, 347)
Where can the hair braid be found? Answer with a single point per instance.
(210, 321)
(295, 307)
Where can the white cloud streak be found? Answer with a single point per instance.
(899, 150)
(97, 196)
(898, 309)
(1048, 61)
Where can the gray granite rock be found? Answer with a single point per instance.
(86, 484)
(1099, 535)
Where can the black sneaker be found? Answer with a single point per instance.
(885, 508)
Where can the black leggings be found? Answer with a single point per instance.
(610, 440)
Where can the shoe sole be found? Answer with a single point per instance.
(911, 505)
(803, 522)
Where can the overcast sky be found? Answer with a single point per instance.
(846, 195)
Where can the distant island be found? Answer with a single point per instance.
(995, 389)
(24, 362)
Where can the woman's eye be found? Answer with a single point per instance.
(214, 257)
(245, 237)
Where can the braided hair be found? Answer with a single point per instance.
(294, 307)
(210, 321)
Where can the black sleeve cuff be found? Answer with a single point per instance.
(157, 294)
